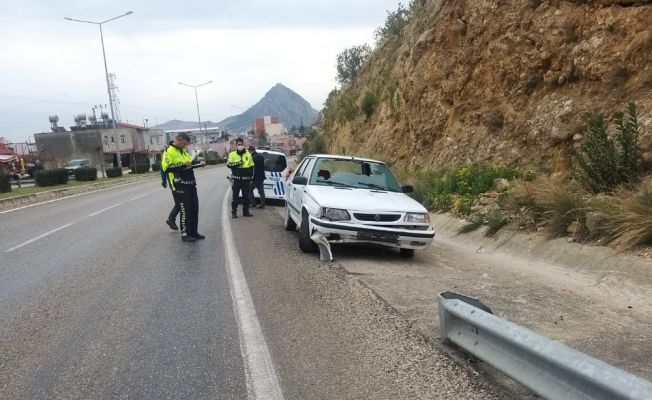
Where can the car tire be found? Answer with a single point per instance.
(289, 223)
(407, 253)
(305, 243)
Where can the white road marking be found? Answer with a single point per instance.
(262, 381)
(39, 237)
(104, 209)
(138, 197)
(73, 196)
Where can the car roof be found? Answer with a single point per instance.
(340, 157)
(278, 153)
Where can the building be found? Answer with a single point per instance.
(270, 125)
(8, 158)
(208, 134)
(95, 140)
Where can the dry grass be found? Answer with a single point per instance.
(624, 220)
(558, 205)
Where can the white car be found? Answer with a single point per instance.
(338, 199)
(276, 172)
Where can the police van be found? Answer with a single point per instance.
(276, 172)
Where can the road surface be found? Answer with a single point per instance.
(100, 300)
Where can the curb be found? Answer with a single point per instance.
(601, 262)
(28, 199)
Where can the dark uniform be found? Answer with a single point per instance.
(242, 173)
(259, 178)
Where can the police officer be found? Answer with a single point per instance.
(165, 182)
(242, 173)
(177, 163)
(259, 177)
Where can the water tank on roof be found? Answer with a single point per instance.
(54, 119)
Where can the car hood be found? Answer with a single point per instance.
(364, 200)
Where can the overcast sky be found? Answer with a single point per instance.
(52, 66)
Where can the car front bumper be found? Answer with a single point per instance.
(339, 232)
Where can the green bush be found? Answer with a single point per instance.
(5, 182)
(369, 103)
(458, 188)
(114, 172)
(156, 167)
(85, 174)
(604, 164)
(141, 168)
(314, 145)
(51, 177)
(350, 62)
(395, 23)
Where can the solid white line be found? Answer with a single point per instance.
(104, 209)
(262, 382)
(138, 197)
(39, 237)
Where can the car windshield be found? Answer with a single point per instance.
(75, 163)
(355, 174)
(274, 162)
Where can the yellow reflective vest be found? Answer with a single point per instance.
(244, 171)
(177, 164)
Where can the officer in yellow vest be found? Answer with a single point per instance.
(177, 163)
(242, 174)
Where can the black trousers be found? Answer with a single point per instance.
(176, 209)
(239, 186)
(260, 187)
(189, 206)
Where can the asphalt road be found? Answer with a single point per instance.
(100, 300)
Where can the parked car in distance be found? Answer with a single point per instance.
(276, 172)
(76, 164)
(354, 200)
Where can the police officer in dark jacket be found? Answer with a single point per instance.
(172, 217)
(259, 177)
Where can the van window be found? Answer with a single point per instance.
(274, 162)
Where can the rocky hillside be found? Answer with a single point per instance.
(510, 81)
(279, 101)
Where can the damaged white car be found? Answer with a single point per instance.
(338, 199)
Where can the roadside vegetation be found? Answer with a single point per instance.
(605, 200)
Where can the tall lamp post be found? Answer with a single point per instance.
(198, 116)
(106, 75)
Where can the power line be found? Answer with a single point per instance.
(48, 99)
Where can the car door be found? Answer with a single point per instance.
(295, 192)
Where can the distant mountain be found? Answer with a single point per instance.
(279, 101)
(176, 124)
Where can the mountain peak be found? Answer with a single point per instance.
(280, 101)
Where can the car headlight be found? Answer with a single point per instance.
(417, 218)
(335, 214)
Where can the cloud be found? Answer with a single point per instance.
(245, 47)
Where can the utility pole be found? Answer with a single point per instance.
(197, 103)
(106, 75)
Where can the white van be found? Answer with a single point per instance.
(276, 172)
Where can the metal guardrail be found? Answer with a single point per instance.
(546, 367)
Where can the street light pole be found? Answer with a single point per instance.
(106, 75)
(195, 87)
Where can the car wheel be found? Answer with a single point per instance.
(407, 253)
(305, 243)
(289, 223)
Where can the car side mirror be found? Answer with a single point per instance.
(407, 189)
(300, 180)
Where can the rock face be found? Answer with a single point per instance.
(511, 81)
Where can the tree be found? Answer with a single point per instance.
(395, 22)
(350, 61)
